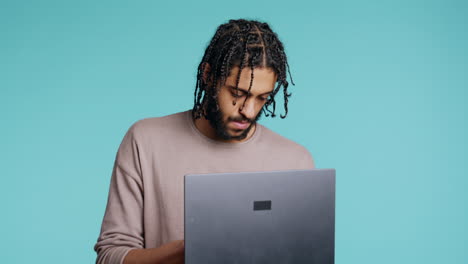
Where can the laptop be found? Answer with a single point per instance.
(260, 217)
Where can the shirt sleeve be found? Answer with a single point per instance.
(122, 225)
(307, 161)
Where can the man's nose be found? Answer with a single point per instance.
(247, 109)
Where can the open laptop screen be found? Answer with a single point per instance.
(260, 217)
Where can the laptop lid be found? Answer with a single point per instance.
(260, 217)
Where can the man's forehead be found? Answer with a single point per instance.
(246, 71)
(264, 80)
(252, 91)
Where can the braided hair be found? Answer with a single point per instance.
(242, 43)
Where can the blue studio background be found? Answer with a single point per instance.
(380, 95)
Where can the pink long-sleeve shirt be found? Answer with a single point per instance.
(145, 203)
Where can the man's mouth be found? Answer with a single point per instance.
(241, 124)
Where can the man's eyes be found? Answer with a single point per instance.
(243, 94)
(237, 95)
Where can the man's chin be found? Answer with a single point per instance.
(239, 134)
(237, 137)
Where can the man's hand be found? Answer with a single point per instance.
(169, 253)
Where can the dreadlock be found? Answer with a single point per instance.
(242, 43)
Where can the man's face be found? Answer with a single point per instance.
(234, 122)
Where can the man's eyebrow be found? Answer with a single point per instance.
(244, 90)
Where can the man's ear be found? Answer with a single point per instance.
(206, 73)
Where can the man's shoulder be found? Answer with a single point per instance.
(286, 148)
(276, 140)
(152, 126)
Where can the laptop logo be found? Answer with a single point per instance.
(262, 205)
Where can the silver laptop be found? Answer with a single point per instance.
(260, 217)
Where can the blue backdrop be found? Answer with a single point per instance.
(380, 95)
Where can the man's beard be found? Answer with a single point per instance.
(215, 117)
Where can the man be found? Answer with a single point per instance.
(143, 222)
